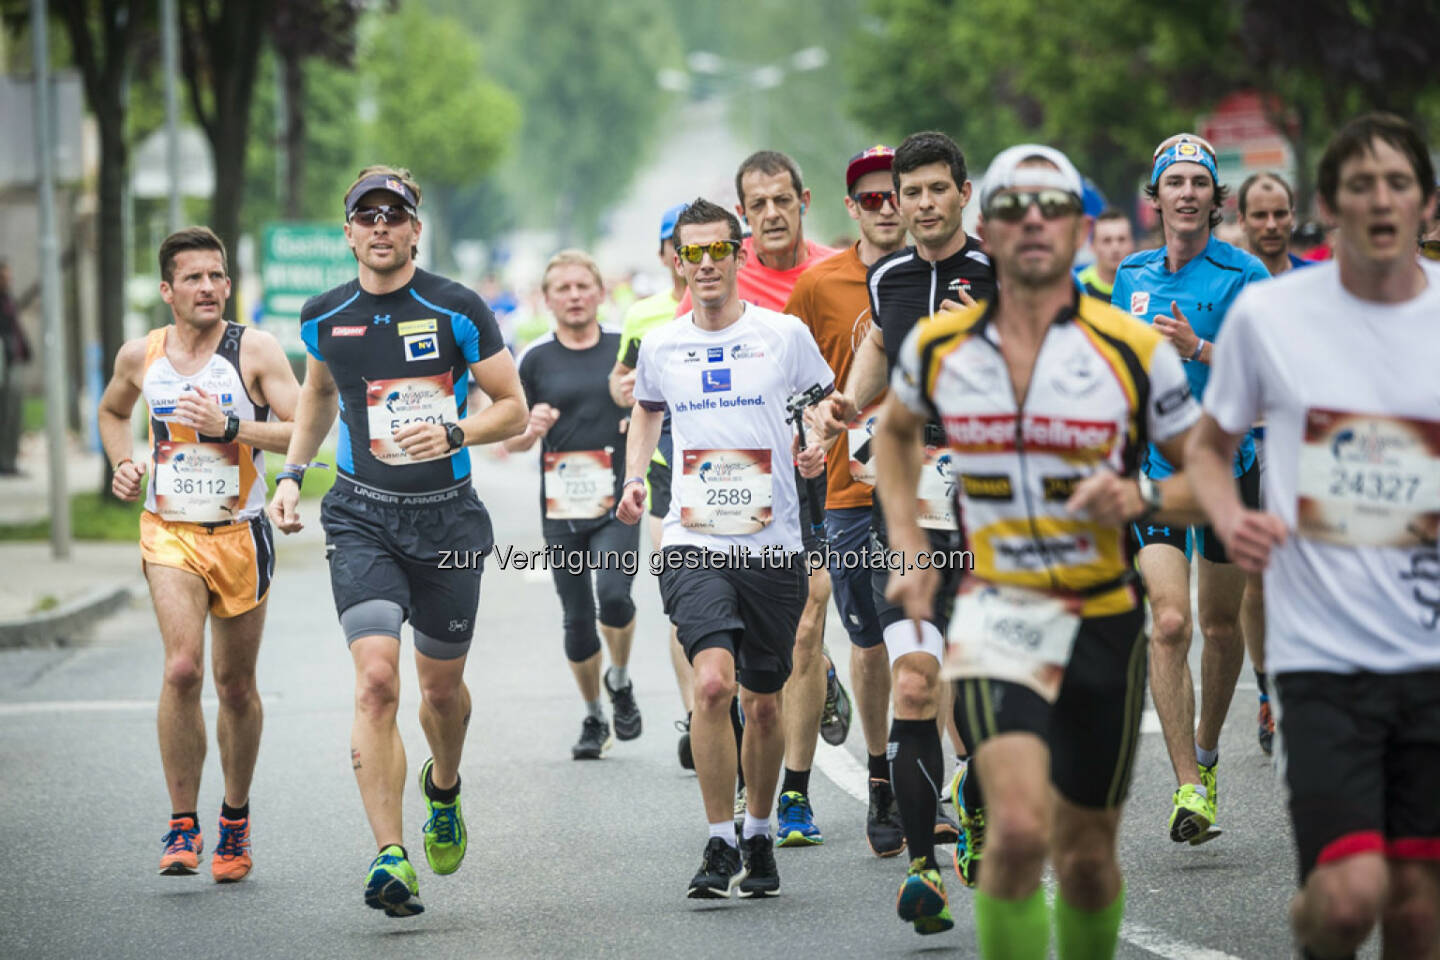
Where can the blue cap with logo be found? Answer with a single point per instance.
(667, 222)
(380, 181)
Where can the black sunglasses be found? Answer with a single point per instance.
(1012, 207)
(385, 213)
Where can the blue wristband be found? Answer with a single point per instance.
(639, 480)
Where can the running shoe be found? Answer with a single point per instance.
(1192, 820)
(797, 821)
(947, 830)
(761, 877)
(1212, 788)
(231, 860)
(444, 830)
(627, 714)
(391, 884)
(922, 899)
(835, 718)
(1266, 726)
(970, 848)
(183, 846)
(720, 872)
(882, 821)
(594, 739)
(687, 758)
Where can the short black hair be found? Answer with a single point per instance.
(1359, 135)
(768, 162)
(927, 147)
(1255, 178)
(191, 238)
(703, 211)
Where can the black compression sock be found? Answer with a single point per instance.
(438, 795)
(194, 817)
(916, 767)
(1262, 682)
(797, 781)
(879, 767)
(970, 789)
(739, 729)
(235, 813)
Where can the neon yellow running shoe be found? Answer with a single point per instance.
(391, 885)
(445, 837)
(1192, 821)
(922, 900)
(1212, 790)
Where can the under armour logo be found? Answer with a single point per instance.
(1150, 531)
(1205, 307)
(382, 318)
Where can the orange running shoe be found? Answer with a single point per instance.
(183, 846)
(231, 861)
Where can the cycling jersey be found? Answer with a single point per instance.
(1203, 289)
(398, 358)
(1102, 388)
(905, 287)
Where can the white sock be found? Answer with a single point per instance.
(1206, 758)
(594, 709)
(755, 826)
(725, 830)
(619, 677)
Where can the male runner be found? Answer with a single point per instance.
(1267, 214)
(1113, 241)
(833, 301)
(733, 579)
(945, 268)
(581, 457)
(1184, 289)
(642, 317)
(215, 391)
(1047, 399)
(1340, 361)
(394, 350)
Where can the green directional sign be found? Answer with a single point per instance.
(297, 261)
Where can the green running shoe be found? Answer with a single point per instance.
(1192, 821)
(1212, 787)
(922, 899)
(445, 838)
(391, 885)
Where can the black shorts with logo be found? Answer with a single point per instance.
(1203, 539)
(946, 556)
(424, 552)
(750, 607)
(1093, 728)
(1360, 754)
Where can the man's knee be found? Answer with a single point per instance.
(1345, 901)
(1219, 629)
(1018, 835)
(916, 689)
(442, 694)
(1412, 917)
(184, 674)
(762, 711)
(1172, 627)
(1085, 858)
(377, 689)
(617, 610)
(714, 688)
(235, 689)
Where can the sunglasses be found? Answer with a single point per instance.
(1430, 249)
(873, 200)
(1012, 207)
(369, 216)
(718, 250)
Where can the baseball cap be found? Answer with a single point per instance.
(1005, 172)
(379, 181)
(667, 222)
(878, 157)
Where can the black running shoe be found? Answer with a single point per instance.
(687, 757)
(947, 830)
(761, 878)
(882, 821)
(594, 739)
(720, 872)
(835, 715)
(627, 714)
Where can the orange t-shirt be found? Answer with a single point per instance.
(834, 302)
(764, 287)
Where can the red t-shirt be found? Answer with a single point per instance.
(764, 287)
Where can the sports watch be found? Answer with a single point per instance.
(454, 435)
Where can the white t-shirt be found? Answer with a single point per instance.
(1350, 392)
(733, 478)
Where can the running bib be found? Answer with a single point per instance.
(935, 495)
(392, 404)
(1369, 480)
(1011, 633)
(725, 492)
(861, 434)
(197, 482)
(579, 485)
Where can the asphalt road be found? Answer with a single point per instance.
(566, 859)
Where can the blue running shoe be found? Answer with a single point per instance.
(797, 822)
(922, 899)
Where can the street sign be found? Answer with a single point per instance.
(298, 261)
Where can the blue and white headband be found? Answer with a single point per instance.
(1184, 150)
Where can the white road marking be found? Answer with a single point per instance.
(1163, 945)
(35, 707)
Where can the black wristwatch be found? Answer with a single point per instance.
(454, 435)
(232, 427)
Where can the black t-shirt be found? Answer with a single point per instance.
(399, 358)
(575, 382)
(905, 288)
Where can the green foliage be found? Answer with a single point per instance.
(93, 516)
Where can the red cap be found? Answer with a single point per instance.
(878, 157)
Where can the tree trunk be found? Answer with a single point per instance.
(114, 165)
(293, 74)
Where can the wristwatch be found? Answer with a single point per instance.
(232, 427)
(454, 435)
(1151, 495)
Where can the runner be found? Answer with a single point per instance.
(733, 579)
(1267, 212)
(218, 394)
(1340, 361)
(640, 319)
(582, 441)
(405, 534)
(1046, 399)
(1184, 288)
(833, 301)
(1113, 241)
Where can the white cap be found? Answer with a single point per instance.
(1005, 172)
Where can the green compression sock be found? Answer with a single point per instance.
(1012, 929)
(1083, 935)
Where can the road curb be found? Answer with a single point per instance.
(67, 623)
